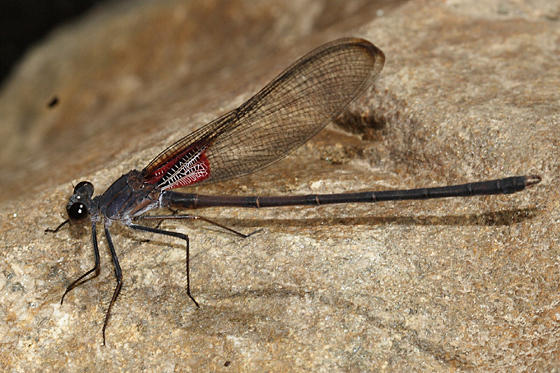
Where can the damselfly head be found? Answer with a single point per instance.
(79, 204)
(84, 187)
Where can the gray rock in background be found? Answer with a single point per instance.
(469, 91)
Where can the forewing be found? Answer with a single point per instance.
(283, 115)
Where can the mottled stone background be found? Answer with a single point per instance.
(470, 91)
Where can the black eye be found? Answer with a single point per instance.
(77, 211)
(84, 186)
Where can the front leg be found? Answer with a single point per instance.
(80, 280)
(118, 276)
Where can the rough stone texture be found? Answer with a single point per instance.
(470, 91)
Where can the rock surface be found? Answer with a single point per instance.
(468, 92)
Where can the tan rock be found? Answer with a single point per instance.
(468, 92)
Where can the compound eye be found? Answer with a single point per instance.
(77, 211)
(85, 186)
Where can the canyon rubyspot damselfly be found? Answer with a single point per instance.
(286, 113)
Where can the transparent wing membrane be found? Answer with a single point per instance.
(282, 116)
